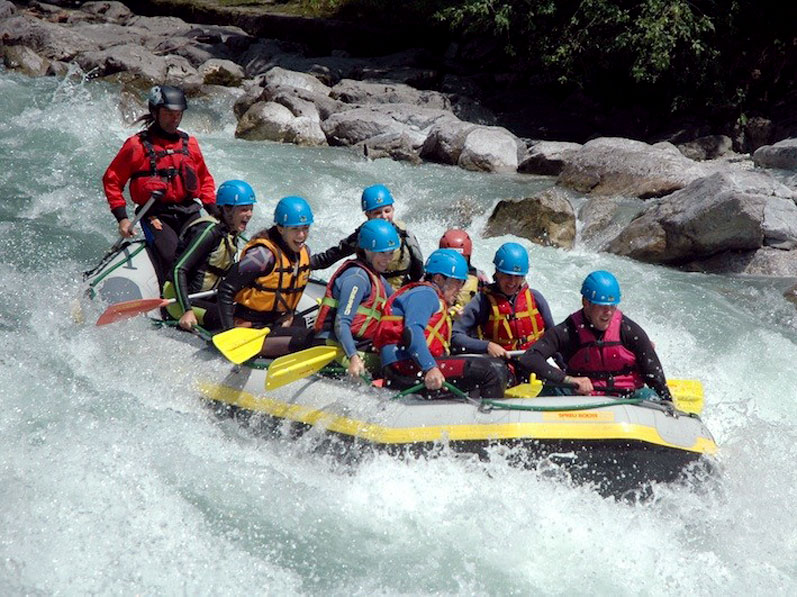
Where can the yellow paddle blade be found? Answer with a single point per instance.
(240, 344)
(687, 394)
(525, 390)
(298, 365)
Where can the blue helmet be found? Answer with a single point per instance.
(376, 196)
(293, 211)
(512, 258)
(235, 192)
(601, 288)
(448, 263)
(379, 236)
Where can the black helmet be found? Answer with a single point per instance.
(166, 96)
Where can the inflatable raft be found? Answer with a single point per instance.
(615, 443)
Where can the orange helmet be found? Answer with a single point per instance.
(458, 240)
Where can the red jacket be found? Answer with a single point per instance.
(179, 168)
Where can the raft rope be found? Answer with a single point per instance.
(488, 404)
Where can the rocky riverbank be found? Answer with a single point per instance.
(696, 205)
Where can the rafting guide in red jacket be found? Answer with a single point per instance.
(163, 159)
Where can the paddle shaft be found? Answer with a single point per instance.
(152, 198)
(119, 243)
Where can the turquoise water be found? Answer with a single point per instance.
(115, 480)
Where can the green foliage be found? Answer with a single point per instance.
(674, 53)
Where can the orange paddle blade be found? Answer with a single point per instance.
(127, 309)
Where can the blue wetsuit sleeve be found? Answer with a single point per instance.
(355, 286)
(463, 336)
(419, 306)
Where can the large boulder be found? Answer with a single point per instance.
(490, 149)
(142, 63)
(782, 154)
(305, 130)
(403, 147)
(265, 121)
(547, 157)
(615, 166)
(362, 92)
(445, 140)
(46, 39)
(113, 12)
(743, 211)
(7, 9)
(357, 125)
(324, 105)
(163, 27)
(546, 219)
(221, 72)
(107, 35)
(25, 60)
(280, 77)
(708, 147)
(603, 218)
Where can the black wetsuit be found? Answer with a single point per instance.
(563, 338)
(194, 249)
(348, 247)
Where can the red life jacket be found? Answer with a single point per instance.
(514, 327)
(607, 363)
(438, 329)
(171, 169)
(368, 313)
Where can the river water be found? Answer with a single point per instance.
(116, 480)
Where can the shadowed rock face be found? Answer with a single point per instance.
(546, 219)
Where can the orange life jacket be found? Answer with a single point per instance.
(437, 331)
(368, 313)
(280, 290)
(514, 327)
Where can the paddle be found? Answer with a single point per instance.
(240, 344)
(118, 244)
(687, 395)
(295, 366)
(128, 309)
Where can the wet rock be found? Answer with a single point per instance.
(546, 157)
(265, 121)
(7, 9)
(46, 39)
(782, 154)
(446, 139)
(112, 12)
(625, 167)
(362, 92)
(404, 147)
(723, 212)
(709, 147)
(24, 60)
(221, 72)
(280, 77)
(489, 149)
(546, 219)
